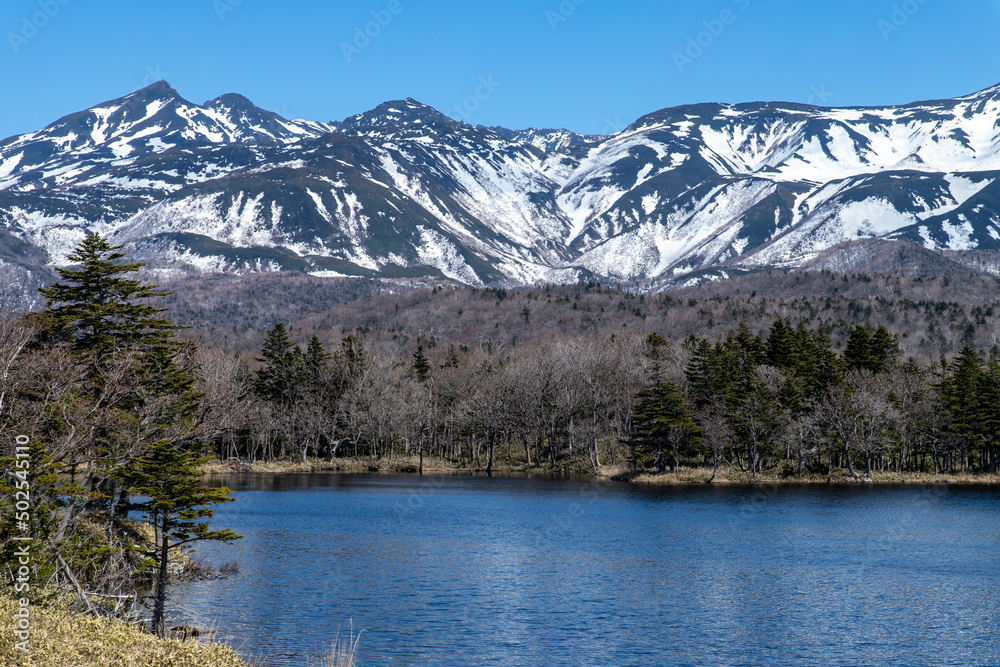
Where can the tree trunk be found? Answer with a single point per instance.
(489, 454)
(159, 605)
(850, 466)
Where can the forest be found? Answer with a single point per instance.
(782, 399)
(114, 402)
(576, 377)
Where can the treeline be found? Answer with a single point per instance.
(929, 316)
(773, 397)
(783, 399)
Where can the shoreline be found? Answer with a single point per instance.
(409, 465)
(60, 636)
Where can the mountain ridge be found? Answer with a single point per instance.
(403, 190)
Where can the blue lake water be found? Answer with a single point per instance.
(466, 571)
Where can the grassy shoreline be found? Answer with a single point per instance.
(619, 473)
(61, 637)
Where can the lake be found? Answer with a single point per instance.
(462, 571)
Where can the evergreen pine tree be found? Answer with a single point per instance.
(962, 393)
(316, 357)
(177, 505)
(97, 310)
(782, 346)
(872, 351)
(857, 353)
(884, 350)
(662, 425)
(138, 390)
(420, 368)
(280, 378)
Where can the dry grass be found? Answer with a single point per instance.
(344, 651)
(63, 638)
(620, 472)
(736, 476)
(398, 464)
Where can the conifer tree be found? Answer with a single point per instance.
(662, 425)
(96, 310)
(782, 345)
(316, 358)
(872, 351)
(857, 353)
(352, 358)
(103, 317)
(750, 345)
(280, 378)
(963, 392)
(420, 368)
(177, 504)
(884, 349)
(128, 351)
(137, 391)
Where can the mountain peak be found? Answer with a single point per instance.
(397, 114)
(403, 190)
(233, 101)
(160, 89)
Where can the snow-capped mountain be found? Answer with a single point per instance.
(403, 190)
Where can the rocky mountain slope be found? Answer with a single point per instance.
(404, 191)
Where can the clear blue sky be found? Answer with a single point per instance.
(592, 67)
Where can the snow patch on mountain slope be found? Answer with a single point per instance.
(745, 149)
(100, 129)
(242, 221)
(437, 251)
(590, 189)
(832, 224)
(498, 192)
(350, 213)
(961, 189)
(320, 206)
(684, 240)
(961, 236)
(415, 190)
(58, 234)
(8, 165)
(964, 188)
